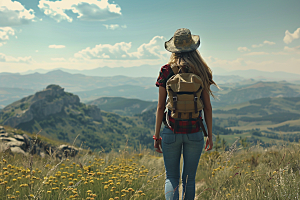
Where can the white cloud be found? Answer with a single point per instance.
(256, 53)
(14, 13)
(54, 46)
(286, 64)
(58, 59)
(269, 43)
(243, 49)
(257, 45)
(11, 59)
(260, 45)
(228, 63)
(111, 26)
(292, 49)
(289, 37)
(114, 26)
(279, 53)
(5, 32)
(151, 50)
(93, 10)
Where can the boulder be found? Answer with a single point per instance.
(4, 135)
(23, 144)
(66, 150)
(3, 146)
(17, 150)
(7, 139)
(19, 138)
(12, 142)
(17, 144)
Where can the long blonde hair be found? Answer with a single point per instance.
(196, 65)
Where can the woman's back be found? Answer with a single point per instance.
(182, 132)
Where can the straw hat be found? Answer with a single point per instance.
(182, 41)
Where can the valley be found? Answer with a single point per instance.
(104, 112)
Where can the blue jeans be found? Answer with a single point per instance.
(191, 145)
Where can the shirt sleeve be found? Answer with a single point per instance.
(163, 76)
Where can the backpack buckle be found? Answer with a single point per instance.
(195, 98)
(175, 98)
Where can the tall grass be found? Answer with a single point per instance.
(254, 173)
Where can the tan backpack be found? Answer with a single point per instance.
(184, 91)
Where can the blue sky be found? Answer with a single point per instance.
(86, 34)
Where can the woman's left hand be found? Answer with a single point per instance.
(157, 145)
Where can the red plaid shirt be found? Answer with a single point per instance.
(183, 126)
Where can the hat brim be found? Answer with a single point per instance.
(169, 45)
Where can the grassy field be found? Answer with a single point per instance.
(239, 173)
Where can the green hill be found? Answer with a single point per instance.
(123, 106)
(264, 113)
(61, 116)
(236, 94)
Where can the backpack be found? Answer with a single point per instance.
(184, 91)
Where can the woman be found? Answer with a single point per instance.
(188, 141)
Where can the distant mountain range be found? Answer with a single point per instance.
(9, 95)
(140, 71)
(235, 88)
(123, 106)
(71, 82)
(126, 91)
(152, 71)
(264, 75)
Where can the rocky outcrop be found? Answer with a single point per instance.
(23, 144)
(51, 101)
(66, 150)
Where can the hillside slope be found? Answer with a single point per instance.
(264, 113)
(239, 94)
(61, 116)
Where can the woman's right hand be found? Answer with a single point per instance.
(209, 144)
